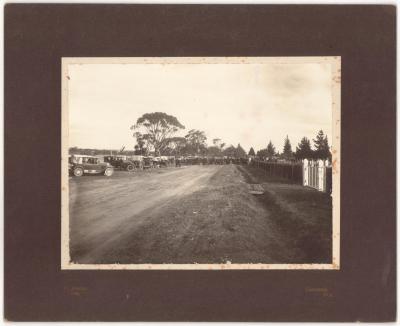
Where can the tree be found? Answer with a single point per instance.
(262, 153)
(321, 146)
(270, 151)
(141, 143)
(240, 152)
(176, 145)
(196, 141)
(213, 151)
(319, 140)
(216, 149)
(326, 152)
(303, 150)
(236, 152)
(230, 151)
(287, 149)
(217, 142)
(251, 152)
(138, 151)
(156, 128)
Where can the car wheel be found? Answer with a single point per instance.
(130, 168)
(108, 172)
(78, 172)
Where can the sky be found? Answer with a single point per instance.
(249, 104)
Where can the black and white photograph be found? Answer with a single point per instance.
(201, 163)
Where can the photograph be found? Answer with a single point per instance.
(200, 163)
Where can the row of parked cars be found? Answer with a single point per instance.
(79, 165)
(85, 164)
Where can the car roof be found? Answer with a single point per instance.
(78, 155)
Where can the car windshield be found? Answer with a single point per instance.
(73, 159)
(90, 160)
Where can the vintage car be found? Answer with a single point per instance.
(165, 161)
(179, 161)
(156, 161)
(124, 162)
(149, 162)
(79, 165)
(137, 160)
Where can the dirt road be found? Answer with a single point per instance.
(194, 214)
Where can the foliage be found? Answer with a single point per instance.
(196, 142)
(213, 151)
(141, 147)
(287, 149)
(270, 149)
(321, 146)
(176, 145)
(268, 152)
(154, 132)
(303, 150)
(155, 129)
(240, 152)
(230, 151)
(236, 152)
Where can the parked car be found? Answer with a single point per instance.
(148, 162)
(171, 161)
(84, 164)
(179, 161)
(164, 161)
(137, 160)
(122, 162)
(156, 161)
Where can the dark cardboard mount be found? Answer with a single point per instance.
(38, 35)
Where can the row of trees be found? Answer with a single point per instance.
(154, 132)
(303, 149)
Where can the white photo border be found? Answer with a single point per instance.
(335, 62)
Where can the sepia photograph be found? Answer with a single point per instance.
(201, 163)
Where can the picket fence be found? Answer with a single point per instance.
(318, 175)
(309, 173)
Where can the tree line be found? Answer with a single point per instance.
(155, 134)
(304, 150)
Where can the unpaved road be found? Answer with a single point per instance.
(194, 214)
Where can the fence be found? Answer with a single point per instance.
(318, 175)
(292, 171)
(315, 174)
(210, 160)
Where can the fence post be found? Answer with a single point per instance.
(321, 175)
(305, 172)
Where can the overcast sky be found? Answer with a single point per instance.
(248, 104)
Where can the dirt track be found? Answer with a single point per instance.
(195, 214)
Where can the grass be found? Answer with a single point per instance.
(303, 214)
